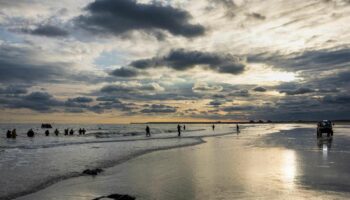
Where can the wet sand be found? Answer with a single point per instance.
(291, 164)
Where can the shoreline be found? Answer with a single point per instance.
(227, 167)
(107, 141)
(114, 163)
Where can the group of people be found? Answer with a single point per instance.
(148, 130)
(31, 133)
(237, 128)
(81, 131)
(11, 134)
(180, 128)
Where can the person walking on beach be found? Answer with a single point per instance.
(80, 131)
(30, 133)
(57, 132)
(83, 131)
(237, 128)
(71, 132)
(148, 131)
(14, 134)
(47, 132)
(213, 127)
(184, 127)
(179, 130)
(66, 131)
(8, 134)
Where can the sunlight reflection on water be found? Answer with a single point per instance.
(289, 169)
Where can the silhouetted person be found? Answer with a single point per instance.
(71, 132)
(8, 134)
(57, 132)
(83, 131)
(14, 134)
(237, 128)
(47, 132)
(178, 130)
(66, 131)
(184, 127)
(213, 127)
(80, 131)
(30, 133)
(148, 131)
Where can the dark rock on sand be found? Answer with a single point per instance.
(117, 197)
(92, 172)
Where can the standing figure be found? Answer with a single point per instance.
(8, 134)
(57, 132)
(178, 130)
(47, 132)
(237, 128)
(83, 131)
(184, 127)
(213, 127)
(80, 131)
(66, 131)
(71, 132)
(14, 134)
(148, 131)
(30, 133)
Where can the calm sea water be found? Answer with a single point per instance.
(28, 164)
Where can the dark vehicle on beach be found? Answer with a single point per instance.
(324, 126)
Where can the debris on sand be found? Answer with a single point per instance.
(117, 197)
(92, 172)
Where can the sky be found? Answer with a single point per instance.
(122, 61)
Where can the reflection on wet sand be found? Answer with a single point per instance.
(289, 168)
(324, 144)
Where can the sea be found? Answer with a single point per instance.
(30, 164)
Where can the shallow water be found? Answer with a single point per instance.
(29, 164)
(262, 162)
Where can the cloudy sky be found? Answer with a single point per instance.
(121, 61)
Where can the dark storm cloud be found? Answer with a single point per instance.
(19, 65)
(38, 101)
(338, 79)
(260, 89)
(180, 59)
(14, 90)
(215, 103)
(81, 100)
(341, 99)
(47, 30)
(125, 72)
(159, 108)
(118, 17)
(317, 60)
(239, 93)
(219, 96)
(129, 88)
(298, 91)
(116, 104)
(107, 98)
(204, 87)
(45, 102)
